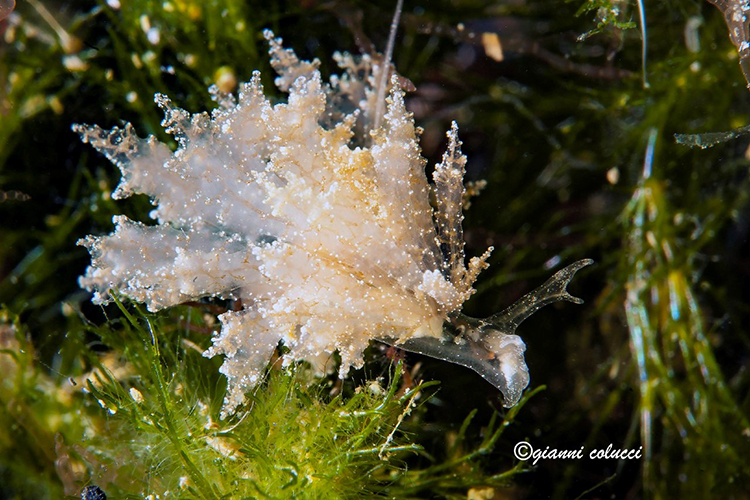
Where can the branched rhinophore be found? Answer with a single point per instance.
(317, 220)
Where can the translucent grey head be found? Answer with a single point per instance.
(490, 346)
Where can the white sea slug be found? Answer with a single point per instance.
(319, 223)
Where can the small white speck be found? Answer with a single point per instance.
(136, 395)
(145, 23)
(154, 36)
(74, 63)
(554, 261)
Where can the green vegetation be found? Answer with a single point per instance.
(581, 161)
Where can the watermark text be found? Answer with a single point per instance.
(525, 451)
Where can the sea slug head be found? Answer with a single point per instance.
(490, 346)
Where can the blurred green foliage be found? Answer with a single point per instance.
(580, 160)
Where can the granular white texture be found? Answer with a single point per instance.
(320, 224)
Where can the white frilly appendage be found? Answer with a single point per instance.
(320, 224)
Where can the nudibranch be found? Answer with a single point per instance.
(318, 221)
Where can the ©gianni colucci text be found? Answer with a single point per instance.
(523, 450)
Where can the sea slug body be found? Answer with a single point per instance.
(319, 222)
